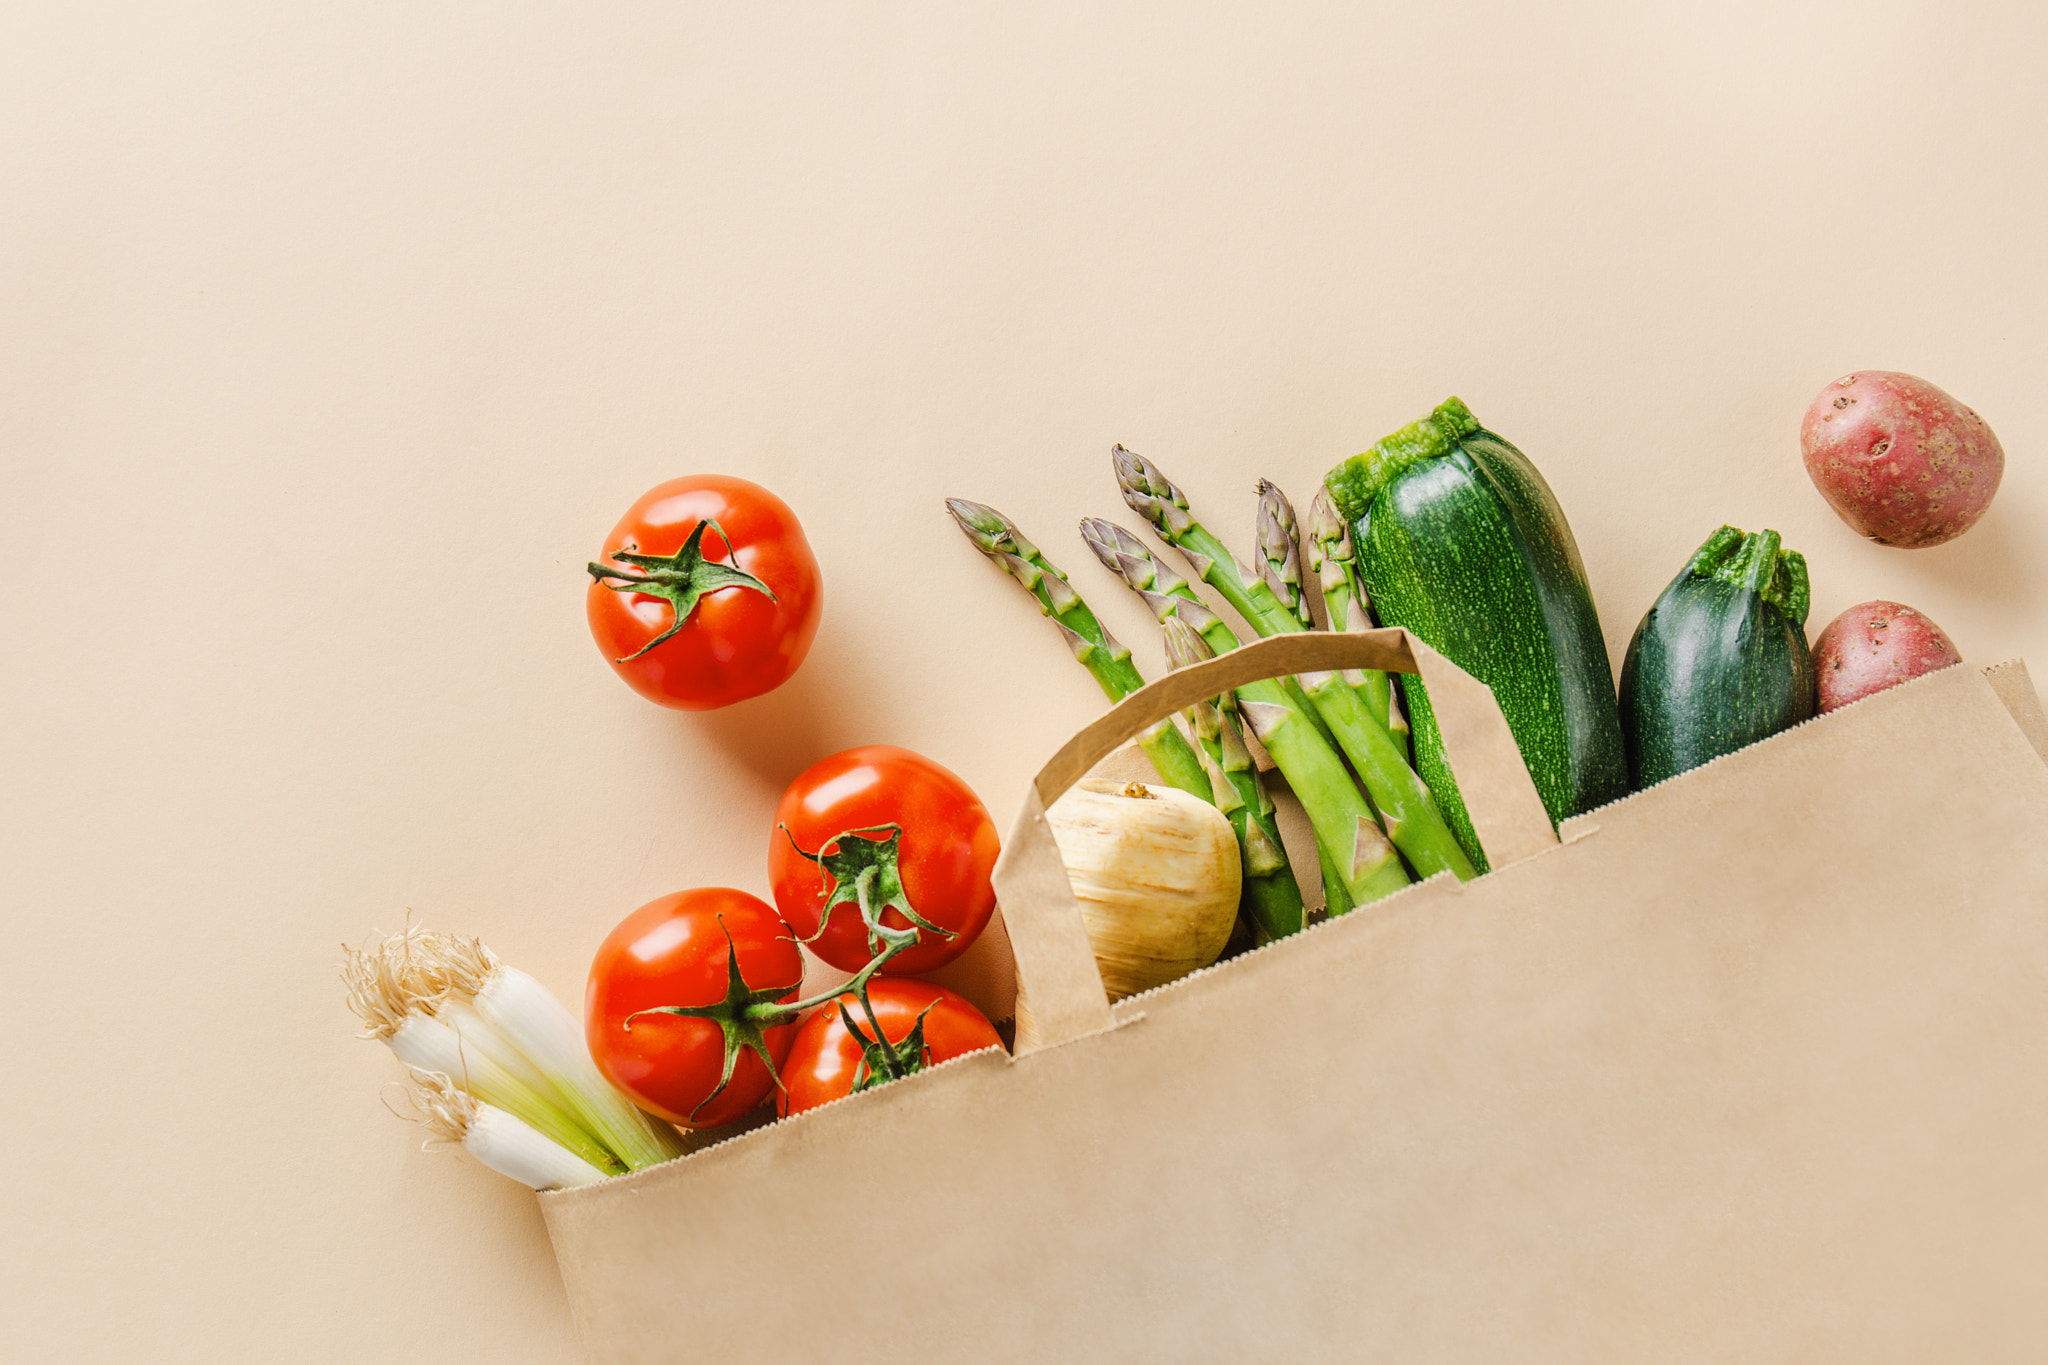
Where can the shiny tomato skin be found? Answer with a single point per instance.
(671, 951)
(737, 643)
(948, 851)
(825, 1059)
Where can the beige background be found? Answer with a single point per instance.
(334, 336)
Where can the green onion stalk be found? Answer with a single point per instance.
(1271, 895)
(488, 1070)
(500, 1140)
(1413, 822)
(1109, 662)
(1359, 864)
(1334, 561)
(447, 1004)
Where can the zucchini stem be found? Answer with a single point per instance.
(1758, 562)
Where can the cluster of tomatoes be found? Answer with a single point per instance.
(879, 861)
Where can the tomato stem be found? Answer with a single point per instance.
(865, 872)
(680, 579)
(881, 1060)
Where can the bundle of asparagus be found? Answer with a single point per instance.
(1338, 738)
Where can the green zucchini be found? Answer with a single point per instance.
(1460, 540)
(1720, 661)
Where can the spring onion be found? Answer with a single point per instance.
(403, 1006)
(498, 1139)
(527, 1015)
(446, 1003)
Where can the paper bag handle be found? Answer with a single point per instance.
(1059, 991)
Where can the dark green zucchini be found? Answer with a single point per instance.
(1721, 660)
(1460, 540)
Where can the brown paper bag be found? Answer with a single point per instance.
(1751, 1066)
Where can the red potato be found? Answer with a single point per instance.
(1899, 460)
(1876, 645)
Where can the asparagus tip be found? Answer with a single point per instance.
(1279, 551)
(1183, 645)
(977, 517)
(1110, 540)
(1324, 525)
(1127, 556)
(1138, 475)
(991, 531)
(1282, 510)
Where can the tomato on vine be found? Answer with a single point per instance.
(882, 838)
(690, 1007)
(707, 593)
(713, 950)
(838, 1050)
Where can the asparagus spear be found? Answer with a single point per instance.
(996, 536)
(1154, 497)
(1280, 552)
(1272, 898)
(1359, 865)
(1170, 597)
(1406, 808)
(1280, 571)
(1411, 816)
(1271, 895)
(1334, 561)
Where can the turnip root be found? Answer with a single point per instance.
(1876, 645)
(1899, 460)
(1156, 872)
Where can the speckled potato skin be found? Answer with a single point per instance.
(1899, 460)
(1875, 645)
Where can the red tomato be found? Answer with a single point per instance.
(748, 588)
(673, 951)
(943, 855)
(826, 1061)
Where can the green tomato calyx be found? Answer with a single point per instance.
(882, 1061)
(681, 579)
(864, 868)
